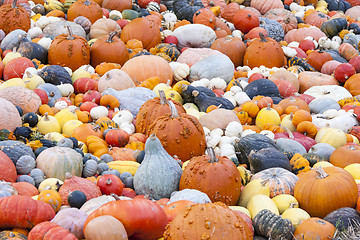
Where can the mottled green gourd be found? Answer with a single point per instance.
(159, 174)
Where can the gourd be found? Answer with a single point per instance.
(6, 189)
(266, 203)
(111, 229)
(252, 188)
(25, 164)
(343, 218)
(195, 36)
(55, 74)
(57, 28)
(48, 124)
(267, 115)
(295, 215)
(156, 161)
(15, 149)
(10, 116)
(94, 203)
(203, 101)
(193, 195)
(71, 219)
(50, 230)
(268, 158)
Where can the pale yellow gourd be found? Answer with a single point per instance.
(50, 184)
(240, 209)
(354, 170)
(259, 202)
(70, 126)
(54, 136)
(287, 122)
(13, 82)
(48, 124)
(295, 215)
(333, 136)
(80, 73)
(162, 86)
(285, 201)
(322, 164)
(174, 95)
(257, 186)
(65, 115)
(10, 56)
(32, 81)
(267, 115)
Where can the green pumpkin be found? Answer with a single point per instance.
(332, 27)
(268, 158)
(129, 14)
(270, 225)
(185, 9)
(314, 158)
(293, 61)
(15, 149)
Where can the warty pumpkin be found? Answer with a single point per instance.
(14, 17)
(322, 190)
(199, 172)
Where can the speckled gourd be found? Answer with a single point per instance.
(159, 174)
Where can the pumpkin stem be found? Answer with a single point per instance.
(291, 135)
(153, 136)
(293, 205)
(70, 37)
(352, 147)
(46, 116)
(162, 97)
(51, 94)
(212, 156)
(262, 37)
(68, 175)
(174, 112)
(320, 173)
(291, 116)
(108, 181)
(115, 196)
(268, 107)
(87, 2)
(111, 36)
(195, 93)
(13, 4)
(184, 87)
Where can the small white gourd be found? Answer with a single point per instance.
(69, 70)
(217, 151)
(232, 100)
(218, 83)
(45, 42)
(167, 33)
(226, 140)
(229, 94)
(61, 105)
(206, 131)
(234, 129)
(34, 32)
(268, 133)
(335, 45)
(218, 131)
(336, 39)
(247, 132)
(212, 140)
(293, 44)
(66, 89)
(237, 33)
(206, 82)
(88, 68)
(128, 127)
(98, 112)
(235, 89)
(227, 150)
(123, 116)
(241, 97)
(289, 52)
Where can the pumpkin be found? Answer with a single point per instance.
(72, 183)
(87, 8)
(25, 189)
(37, 212)
(229, 224)
(283, 74)
(57, 161)
(14, 17)
(117, 5)
(104, 49)
(180, 143)
(7, 168)
(229, 11)
(77, 51)
(227, 192)
(264, 7)
(186, 9)
(174, 208)
(150, 224)
(300, 34)
(343, 218)
(320, 204)
(231, 46)
(10, 116)
(316, 19)
(315, 228)
(111, 229)
(116, 79)
(94, 203)
(189, 35)
(284, 17)
(51, 197)
(345, 155)
(244, 20)
(267, 115)
(318, 58)
(347, 51)
(310, 79)
(204, 16)
(71, 219)
(50, 230)
(263, 48)
(103, 27)
(85, 130)
(267, 158)
(352, 84)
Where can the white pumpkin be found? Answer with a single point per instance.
(98, 112)
(123, 116)
(180, 70)
(66, 89)
(332, 91)
(343, 121)
(34, 32)
(218, 83)
(194, 36)
(234, 129)
(45, 42)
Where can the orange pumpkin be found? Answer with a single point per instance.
(345, 155)
(85, 130)
(232, 47)
(14, 17)
(310, 79)
(314, 228)
(204, 16)
(86, 8)
(353, 84)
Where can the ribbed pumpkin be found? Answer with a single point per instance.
(25, 189)
(245, 20)
(152, 109)
(86, 8)
(232, 47)
(286, 18)
(146, 66)
(200, 171)
(109, 49)
(69, 50)
(85, 130)
(71, 219)
(10, 118)
(23, 212)
(316, 19)
(22, 97)
(201, 221)
(144, 30)
(318, 58)
(268, 52)
(48, 124)
(14, 17)
(345, 155)
(72, 183)
(142, 218)
(180, 134)
(116, 79)
(321, 191)
(111, 229)
(117, 5)
(263, 7)
(50, 230)
(7, 168)
(57, 161)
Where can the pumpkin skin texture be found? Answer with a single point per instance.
(151, 66)
(225, 224)
(300, 34)
(180, 134)
(244, 20)
(345, 155)
(111, 229)
(263, 48)
(157, 161)
(314, 229)
(102, 27)
(319, 192)
(109, 49)
(69, 51)
(232, 47)
(144, 30)
(117, 5)
(148, 225)
(87, 8)
(198, 174)
(352, 84)
(267, 158)
(7, 168)
(318, 58)
(36, 212)
(286, 18)
(24, 98)
(50, 230)
(263, 7)
(116, 79)
(71, 219)
(57, 161)
(10, 118)
(14, 17)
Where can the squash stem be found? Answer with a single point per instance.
(291, 135)
(71, 36)
(87, 2)
(68, 175)
(162, 97)
(320, 173)
(152, 136)
(13, 4)
(212, 156)
(268, 107)
(46, 116)
(174, 112)
(111, 36)
(262, 37)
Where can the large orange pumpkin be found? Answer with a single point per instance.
(7, 168)
(119, 5)
(353, 84)
(147, 66)
(14, 17)
(309, 79)
(232, 47)
(86, 8)
(345, 155)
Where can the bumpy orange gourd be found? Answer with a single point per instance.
(14, 17)
(86, 8)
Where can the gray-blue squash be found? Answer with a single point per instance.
(158, 174)
(289, 147)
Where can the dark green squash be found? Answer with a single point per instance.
(39, 150)
(268, 158)
(255, 142)
(262, 87)
(32, 50)
(203, 101)
(355, 27)
(187, 90)
(20, 110)
(335, 5)
(272, 226)
(15, 149)
(300, 62)
(314, 158)
(342, 218)
(290, 147)
(22, 132)
(336, 56)
(332, 27)
(31, 118)
(55, 74)
(185, 9)
(129, 14)
(76, 199)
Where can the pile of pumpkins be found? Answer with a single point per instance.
(179, 119)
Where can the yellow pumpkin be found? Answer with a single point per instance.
(65, 115)
(259, 202)
(51, 197)
(80, 73)
(48, 124)
(32, 81)
(54, 136)
(10, 56)
(295, 215)
(70, 125)
(13, 82)
(96, 146)
(177, 86)
(333, 136)
(50, 184)
(322, 164)
(287, 122)
(354, 170)
(161, 86)
(240, 209)
(174, 95)
(267, 115)
(83, 147)
(255, 187)
(285, 201)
